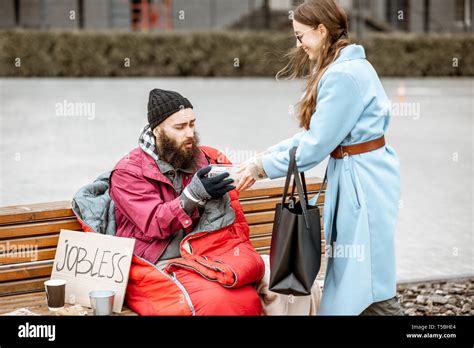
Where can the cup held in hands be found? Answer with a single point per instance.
(218, 169)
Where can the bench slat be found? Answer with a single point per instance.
(263, 250)
(260, 218)
(265, 216)
(265, 241)
(38, 228)
(19, 244)
(264, 204)
(261, 241)
(275, 188)
(263, 229)
(22, 286)
(35, 212)
(25, 273)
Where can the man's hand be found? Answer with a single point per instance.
(202, 188)
(217, 186)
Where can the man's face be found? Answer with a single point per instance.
(177, 140)
(179, 127)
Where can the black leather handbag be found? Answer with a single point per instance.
(295, 254)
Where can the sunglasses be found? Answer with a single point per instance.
(299, 37)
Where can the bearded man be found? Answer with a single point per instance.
(189, 226)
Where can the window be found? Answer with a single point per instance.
(459, 14)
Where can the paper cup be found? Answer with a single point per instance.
(55, 293)
(217, 169)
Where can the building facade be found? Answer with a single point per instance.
(156, 15)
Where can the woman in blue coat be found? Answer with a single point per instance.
(345, 114)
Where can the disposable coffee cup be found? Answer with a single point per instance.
(102, 301)
(218, 169)
(55, 293)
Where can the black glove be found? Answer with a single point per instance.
(217, 186)
(202, 188)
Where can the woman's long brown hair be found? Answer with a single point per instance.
(313, 13)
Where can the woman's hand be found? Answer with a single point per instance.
(246, 180)
(250, 171)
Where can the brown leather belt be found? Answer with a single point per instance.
(357, 149)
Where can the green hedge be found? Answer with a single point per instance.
(82, 53)
(422, 55)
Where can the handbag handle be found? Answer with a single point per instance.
(303, 180)
(293, 169)
(322, 185)
(301, 195)
(288, 177)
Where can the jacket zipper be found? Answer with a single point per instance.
(177, 282)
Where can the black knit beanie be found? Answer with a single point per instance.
(162, 104)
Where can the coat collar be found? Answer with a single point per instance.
(165, 167)
(350, 52)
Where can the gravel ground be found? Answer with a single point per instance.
(453, 297)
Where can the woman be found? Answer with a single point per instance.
(345, 114)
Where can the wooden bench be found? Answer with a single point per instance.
(29, 236)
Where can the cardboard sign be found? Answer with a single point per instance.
(93, 261)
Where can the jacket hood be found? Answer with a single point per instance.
(93, 205)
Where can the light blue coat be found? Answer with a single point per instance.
(363, 190)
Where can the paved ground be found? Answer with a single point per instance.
(47, 153)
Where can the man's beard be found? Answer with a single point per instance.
(176, 154)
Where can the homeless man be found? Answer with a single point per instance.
(192, 248)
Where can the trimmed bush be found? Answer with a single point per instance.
(229, 53)
(422, 55)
